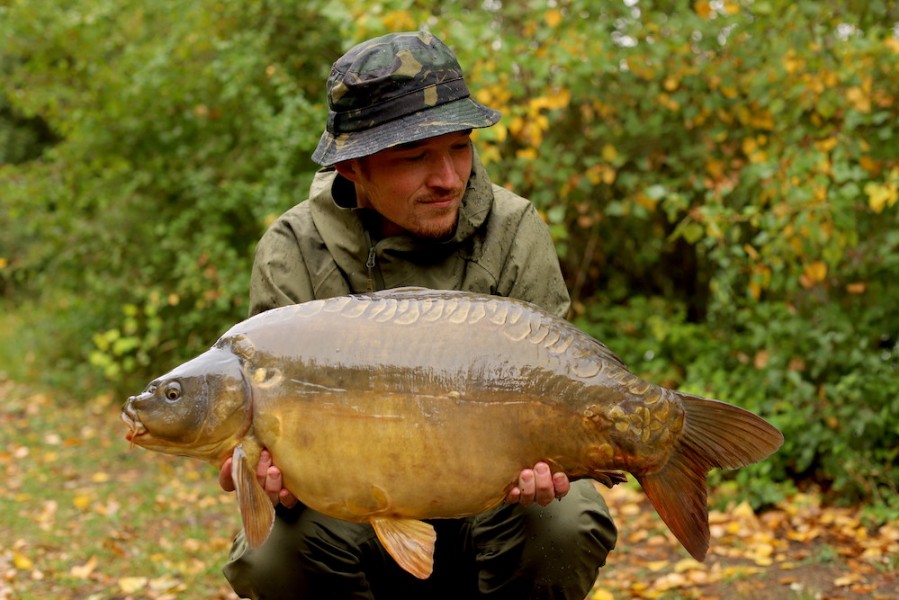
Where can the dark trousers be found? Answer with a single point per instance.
(508, 552)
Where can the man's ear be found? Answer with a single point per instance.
(349, 169)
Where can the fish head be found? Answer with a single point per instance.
(199, 409)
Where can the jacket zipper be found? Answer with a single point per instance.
(375, 282)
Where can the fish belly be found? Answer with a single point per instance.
(410, 456)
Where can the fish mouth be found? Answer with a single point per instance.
(135, 427)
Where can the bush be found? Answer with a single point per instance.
(185, 132)
(721, 180)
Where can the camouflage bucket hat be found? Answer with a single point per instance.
(395, 89)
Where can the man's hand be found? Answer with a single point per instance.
(538, 485)
(269, 477)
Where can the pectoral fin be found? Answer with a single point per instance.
(256, 509)
(409, 542)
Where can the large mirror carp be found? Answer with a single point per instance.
(362, 399)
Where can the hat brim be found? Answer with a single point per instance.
(458, 115)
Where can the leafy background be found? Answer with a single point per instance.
(721, 180)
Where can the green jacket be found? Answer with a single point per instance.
(321, 248)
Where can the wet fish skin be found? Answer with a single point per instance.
(361, 398)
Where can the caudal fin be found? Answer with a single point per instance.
(715, 435)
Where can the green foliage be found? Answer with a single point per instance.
(185, 129)
(722, 182)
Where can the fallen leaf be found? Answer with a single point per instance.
(84, 571)
(657, 565)
(164, 583)
(130, 585)
(847, 580)
(21, 562)
(82, 501)
(688, 564)
(100, 477)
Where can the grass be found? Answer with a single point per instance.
(86, 516)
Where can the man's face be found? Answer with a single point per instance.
(416, 187)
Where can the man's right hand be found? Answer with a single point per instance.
(269, 477)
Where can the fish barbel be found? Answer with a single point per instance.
(361, 399)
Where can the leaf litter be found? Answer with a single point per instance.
(85, 517)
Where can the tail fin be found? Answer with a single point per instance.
(716, 435)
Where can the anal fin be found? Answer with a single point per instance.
(256, 510)
(409, 542)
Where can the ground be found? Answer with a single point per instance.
(84, 516)
(797, 550)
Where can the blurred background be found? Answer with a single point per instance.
(720, 177)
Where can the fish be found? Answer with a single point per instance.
(361, 399)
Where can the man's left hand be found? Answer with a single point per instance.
(538, 485)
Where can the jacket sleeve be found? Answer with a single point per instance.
(279, 275)
(531, 272)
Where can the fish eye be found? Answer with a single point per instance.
(172, 391)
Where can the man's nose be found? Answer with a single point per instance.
(442, 172)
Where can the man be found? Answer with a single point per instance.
(403, 200)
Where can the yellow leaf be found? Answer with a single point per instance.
(859, 99)
(881, 195)
(715, 168)
(131, 585)
(609, 153)
(688, 564)
(731, 8)
(869, 164)
(815, 272)
(84, 571)
(558, 99)
(827, 144)
(527, 154)
(657, 565)
(82, 501)
(602, 595)
(846, 580)
(399, 20)
(3, 263)
(553, 17)
(100, 477)
(21, 562)
(166, 583)
(703, 8)
(749, 146)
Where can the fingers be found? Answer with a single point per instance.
(561, 484)
(527, 485)
(269, 477)
(272, 482)
(265, 461)
(225, 480)
(538, 485)
(286, 498)
(544, 491)
(514, 496)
